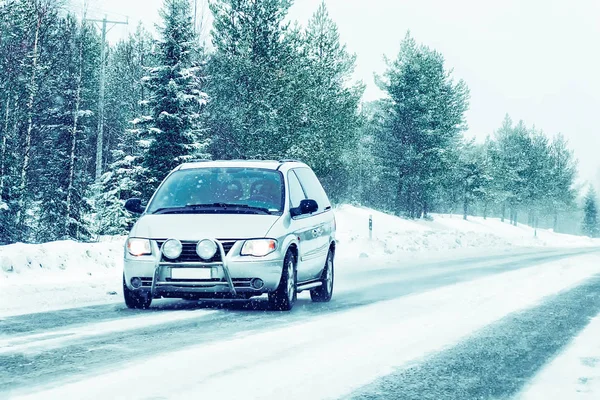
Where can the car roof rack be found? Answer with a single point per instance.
(196, 161)
(285, 160)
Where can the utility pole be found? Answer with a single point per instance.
(100, 140)
(195, 15)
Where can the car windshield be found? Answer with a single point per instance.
(220, 190)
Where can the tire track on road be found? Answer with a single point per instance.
(500, 359)
(99, 351)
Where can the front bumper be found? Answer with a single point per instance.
(232, 277)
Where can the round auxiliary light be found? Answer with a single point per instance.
(136, 283)
(206, 249)
(172, 249)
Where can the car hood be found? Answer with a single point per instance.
(201, 226)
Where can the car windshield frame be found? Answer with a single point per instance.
(216, 204)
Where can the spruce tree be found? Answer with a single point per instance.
(254, 84)
(425, 118)
(128, 96)
(332, 121)
(590, 209)
(176, 96)
(561, 177)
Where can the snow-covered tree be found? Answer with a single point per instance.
(128, 97)
(176, 96)
(424, 124)
(67, 126)
(562, 170)
(120, 182)
(253, 74)
(591, 226)
(331, 122)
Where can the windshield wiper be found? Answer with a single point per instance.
(203, 208)
(231, 205)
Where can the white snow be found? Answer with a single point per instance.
(393, 235)
(36, 278)
(573, 374)
(68, 274)
(39, 342)
(354, 347)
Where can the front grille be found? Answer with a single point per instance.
(146, 282)
(193, 280)
(189, 254)
(242, 282)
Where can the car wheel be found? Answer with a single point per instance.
(136, 299)
(324, 293)
(284, 297)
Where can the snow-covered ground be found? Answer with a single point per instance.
(416, 289)
(65, 274)
(397, 236)
(36, 278)
(574, 374)
(351, 348)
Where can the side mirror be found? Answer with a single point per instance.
(306, 207)
(134, 206)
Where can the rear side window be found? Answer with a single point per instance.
(296, 192)
(313, 188)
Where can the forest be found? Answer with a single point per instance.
(85, 125)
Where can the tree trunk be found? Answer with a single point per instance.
(465, 207)
(3, 146)
(70, 187)
(399, 197)
(503, 211)
(555, 223)
(516, 217)
(27, 148)
(485, 210)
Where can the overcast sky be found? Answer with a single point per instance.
(538, 60)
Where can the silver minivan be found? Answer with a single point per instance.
(232, 229)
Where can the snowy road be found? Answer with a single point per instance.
(479, 327)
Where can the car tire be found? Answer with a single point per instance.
(136, 299)
(324, 293)
(284, 297)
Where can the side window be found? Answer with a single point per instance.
(296, 192)
(313, 188)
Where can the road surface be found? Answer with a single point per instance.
(472, 328)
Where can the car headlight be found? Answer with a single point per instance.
(259, 247)
(172, 248)
(139, 247)
(206, 249)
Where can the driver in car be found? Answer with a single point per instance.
(267, 192)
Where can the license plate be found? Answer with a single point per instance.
(191, 273)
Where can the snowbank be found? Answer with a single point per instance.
(43, 277)
(396, 236)
(43, 262)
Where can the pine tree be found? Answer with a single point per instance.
(176, 96)
(590, 208)
(561, 174)
(255, 80)
(332, 121)
(128, 96)
(424, 124)
(12, 51)
(511, 166)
